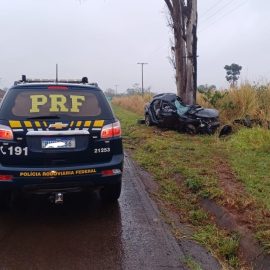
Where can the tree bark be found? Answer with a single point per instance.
(191, 29)
(184, 24)
(180, 50)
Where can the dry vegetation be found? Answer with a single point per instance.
(239, 102)
(134, 103)
(247, 100)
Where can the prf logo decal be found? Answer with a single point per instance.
(57, 103)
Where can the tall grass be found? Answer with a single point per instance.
(236, 103)
(239, 103)
(133, 103)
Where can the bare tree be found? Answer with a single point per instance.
(183, 20)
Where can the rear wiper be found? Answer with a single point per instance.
(44, 117)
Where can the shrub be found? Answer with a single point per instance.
(237, 103)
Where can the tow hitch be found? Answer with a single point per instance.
(57, 198)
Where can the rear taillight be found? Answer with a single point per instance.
(6, 133)
(111, 172)
(4, 178)
(111, 131)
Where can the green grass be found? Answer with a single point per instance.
(250, 159)
(192, 264)
(184, 167)
(226, 244)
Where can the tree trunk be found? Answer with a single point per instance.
(191, 41)
(184, 24)
(179, 48)
(195, 60)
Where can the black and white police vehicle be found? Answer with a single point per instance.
(59, 137)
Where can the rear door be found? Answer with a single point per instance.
(155, 109)
(55, 126)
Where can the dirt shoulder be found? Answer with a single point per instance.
(195, 256)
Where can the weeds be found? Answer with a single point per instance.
(263, 236)
(237, 103)
(198, 217)
(133, 103)
(194, 185)
(226, 245)
(192, 264)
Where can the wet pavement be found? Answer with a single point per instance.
(86, 234)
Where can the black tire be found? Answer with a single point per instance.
(148, 121)
(141, 122)
(111, 193)
(212, 130)
(191, 129)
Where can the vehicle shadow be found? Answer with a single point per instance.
(84, 233)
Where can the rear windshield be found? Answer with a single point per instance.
(71, 103)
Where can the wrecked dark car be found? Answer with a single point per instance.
(168, 111)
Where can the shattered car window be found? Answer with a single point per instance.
(181, 108)
(166, 107)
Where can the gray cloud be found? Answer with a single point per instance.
(105, 39)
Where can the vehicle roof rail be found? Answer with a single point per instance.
(163, 94)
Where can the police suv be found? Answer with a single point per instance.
(57, 138)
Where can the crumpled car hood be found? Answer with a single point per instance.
(207, 113)
(204, 113)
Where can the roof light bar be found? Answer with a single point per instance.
(24, 79)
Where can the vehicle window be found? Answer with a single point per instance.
(181, 108)
(70, 103)
(166, 106)
(156, 105)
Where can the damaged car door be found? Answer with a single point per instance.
(168, 115)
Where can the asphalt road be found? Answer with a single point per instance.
(86, 234)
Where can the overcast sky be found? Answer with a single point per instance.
(104, 40)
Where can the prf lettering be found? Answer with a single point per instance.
(57, 103)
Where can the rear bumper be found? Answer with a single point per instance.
(37, 179)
